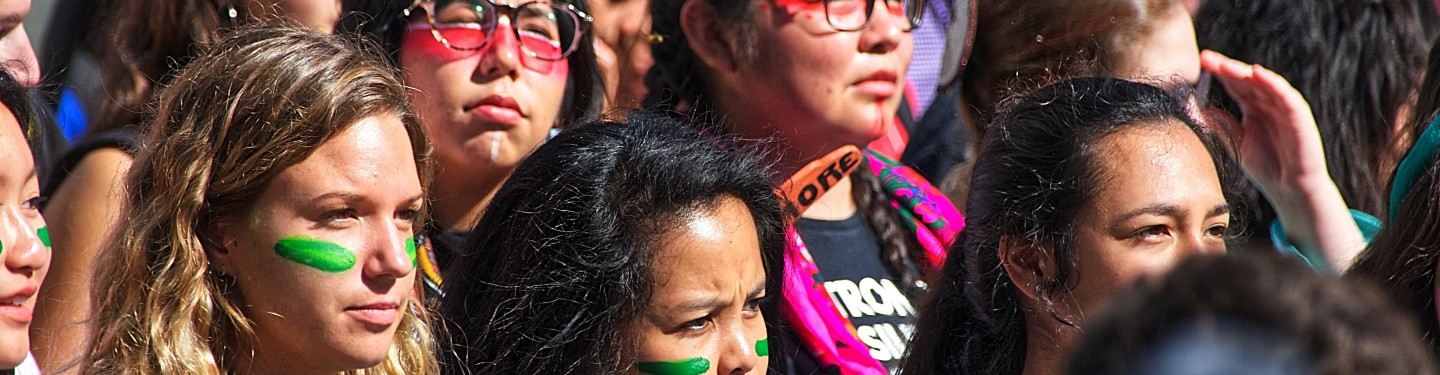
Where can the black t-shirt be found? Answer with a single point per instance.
(862, 287)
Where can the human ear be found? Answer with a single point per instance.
(1030, 266)
(220, 239)
(712, 39)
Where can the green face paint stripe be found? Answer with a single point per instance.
(410, 250)
(762, 347)
(44, 234)
(693, 366)
(320, 254)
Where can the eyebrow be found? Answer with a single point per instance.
(1172, 210)
(353, 197)
(706, 304)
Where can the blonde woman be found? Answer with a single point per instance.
(271, 218)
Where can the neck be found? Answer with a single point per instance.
(1045, 344)
(265, 364)
(457, 198)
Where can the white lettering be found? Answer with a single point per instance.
(874, 296)
(900, 301)
(877, 345)
(850, 295)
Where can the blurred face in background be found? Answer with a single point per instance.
(16, 54)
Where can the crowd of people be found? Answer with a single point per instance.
(687, 187)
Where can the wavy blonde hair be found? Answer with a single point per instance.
(260, 101)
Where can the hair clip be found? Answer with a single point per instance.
(1414, 164)
(655, 38)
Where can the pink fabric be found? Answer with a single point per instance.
(829, 336)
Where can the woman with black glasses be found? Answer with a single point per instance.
(494, 78)
(816, 77)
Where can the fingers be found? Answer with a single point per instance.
(1263, 94)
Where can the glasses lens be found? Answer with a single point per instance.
(464, 24)
(846, 15)
(914, 12)
(547, 31)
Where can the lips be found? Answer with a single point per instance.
(13, 306)
(497, 109)
(879, 85)
(380, 315)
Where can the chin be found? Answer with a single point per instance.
(13, 350)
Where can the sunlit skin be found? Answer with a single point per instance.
(1168, 50)
(361, 191)
(483, 110)
(318, 15)
(1158, 200)
(807, 85)
(706, 303)
(16, 53)
(24, 257)
(814, 87)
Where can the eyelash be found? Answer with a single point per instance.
(697, 324)
(34, 203)
(1224, 230)
(1150, 231)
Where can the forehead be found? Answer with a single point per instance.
(716, 244)
(1149, 164)
(372, 154)
(14, 149)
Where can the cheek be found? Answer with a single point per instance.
(421, 44)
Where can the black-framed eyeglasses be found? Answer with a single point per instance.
(545, 30)
(848, 15)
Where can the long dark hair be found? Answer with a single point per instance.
(1358, 63)
(677, 84)
(1034, 173)
(1402, 258)
(561, 260)
(584, 87)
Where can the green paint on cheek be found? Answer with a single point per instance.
(319, 254)
(762, 347)
(410, 250)
(44, 234)
(693, 366)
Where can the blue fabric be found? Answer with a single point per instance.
(1369, 227)
(70, 115)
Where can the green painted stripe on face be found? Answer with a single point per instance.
(410, 250)
(693, 366)
(762, 347)
(44, 234)
(319, 254)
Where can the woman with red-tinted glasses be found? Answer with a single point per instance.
(493, 79)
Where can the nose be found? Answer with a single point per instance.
(886, 31)
(1198, 244)
(18, 57)
(21, 247)
(739, 351)
(394, 253)
(500, 57)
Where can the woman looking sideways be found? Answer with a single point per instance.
(275, 236)
(139, 45)
(1085, 186)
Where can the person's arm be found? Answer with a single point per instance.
(81, 215)
(1280, 149)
